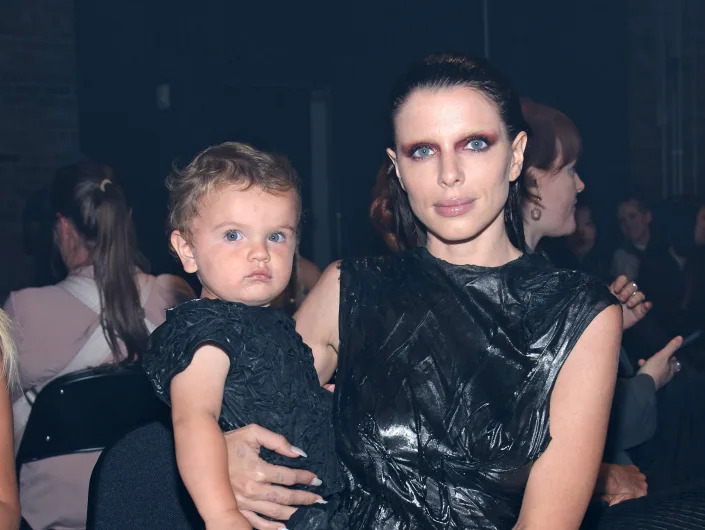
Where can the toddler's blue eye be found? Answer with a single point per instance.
(232, 235)
(276, 237)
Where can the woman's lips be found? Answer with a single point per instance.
(453, 207)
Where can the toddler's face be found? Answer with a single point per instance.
(242, 244)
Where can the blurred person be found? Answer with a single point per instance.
(635, 224)
(651, 257)
(9, 499)
(581, 249)
(100, 313)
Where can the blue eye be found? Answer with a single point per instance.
(276, 237)
(477, 144)
(422, 152)
(233, 235)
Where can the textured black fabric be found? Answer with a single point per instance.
(135, 484)
(681, 511)
(271, 382)
(443, 384)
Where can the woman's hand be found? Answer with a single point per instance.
(662, 366)
(634, 304)
(253, 480)
(617, 483)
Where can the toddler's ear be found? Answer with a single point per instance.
(184, 250)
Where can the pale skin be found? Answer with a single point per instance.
(452, 146)
(241, 245)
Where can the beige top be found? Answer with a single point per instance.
(51, 326)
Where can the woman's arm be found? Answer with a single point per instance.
(317, 321)
(9, 501)
(196, 398)
(562, 479)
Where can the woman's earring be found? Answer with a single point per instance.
(535, 213)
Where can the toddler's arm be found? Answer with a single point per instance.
(196, 399)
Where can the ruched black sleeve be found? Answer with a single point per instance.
(189, 326)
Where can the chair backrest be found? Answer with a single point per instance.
(136, 484)
(87, 411)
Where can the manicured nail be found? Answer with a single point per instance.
(316, 482)
(298, 451)
(321, 501)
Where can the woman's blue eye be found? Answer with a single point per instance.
(478, 144)
(233, 235)
(422, 152)
(277, 237)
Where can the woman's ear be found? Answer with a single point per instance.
(184, 250)
(66, 232)
(518, 147)
(393, 158)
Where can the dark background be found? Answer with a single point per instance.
(245, 70)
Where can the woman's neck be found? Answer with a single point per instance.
(79, 258)
(491, 248)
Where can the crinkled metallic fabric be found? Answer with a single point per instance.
(444, 379)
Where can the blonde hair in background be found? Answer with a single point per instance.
(8, 351)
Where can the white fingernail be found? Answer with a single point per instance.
(321, 501)
(316, 482)
(298, 451)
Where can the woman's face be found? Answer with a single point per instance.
(558, 192)
(455, 160)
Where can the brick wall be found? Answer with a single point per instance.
(38, 124)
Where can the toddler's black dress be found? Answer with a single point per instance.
(271, 382)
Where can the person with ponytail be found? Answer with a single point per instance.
(102, 312)
(468, 391)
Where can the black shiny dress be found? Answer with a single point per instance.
(444, 379)
(271, 382)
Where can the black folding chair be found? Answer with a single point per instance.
(136, 484)
(87, 411)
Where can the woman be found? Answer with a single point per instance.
(552, 185)
(550, 188)
(101, 313)
(9, 501)
(581, 249)
(451, 354)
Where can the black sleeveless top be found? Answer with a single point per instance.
(271, 382)
(443, 385)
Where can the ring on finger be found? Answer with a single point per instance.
(676, 365)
